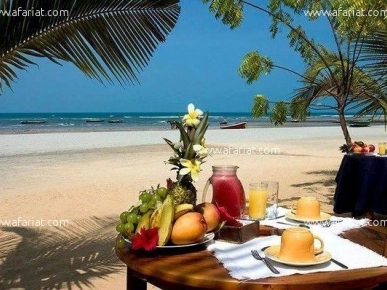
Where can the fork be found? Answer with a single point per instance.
(267, 263)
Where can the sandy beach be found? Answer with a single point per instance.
(61, 193)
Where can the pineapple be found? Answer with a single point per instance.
(188, 154)
(183, 193)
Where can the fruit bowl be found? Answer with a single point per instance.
(178, 249)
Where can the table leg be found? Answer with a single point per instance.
(133, 282)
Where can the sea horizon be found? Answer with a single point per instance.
(122, 121)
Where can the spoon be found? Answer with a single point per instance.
(295, 225)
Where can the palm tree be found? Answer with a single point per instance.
(106, 39)
(351, 88)
(375, 56)
(329, 74)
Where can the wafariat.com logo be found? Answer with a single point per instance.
(347, 13)
(39, 222)
(33, 12)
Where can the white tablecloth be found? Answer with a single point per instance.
(237, 258)
(338, 225)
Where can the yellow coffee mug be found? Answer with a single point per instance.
(307, 207)
(297, 245)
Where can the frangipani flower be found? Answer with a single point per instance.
(200, 150)
(192, 167)
(192, 118)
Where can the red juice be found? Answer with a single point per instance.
(228, 192)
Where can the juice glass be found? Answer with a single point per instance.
(258, 195)
(382, 148)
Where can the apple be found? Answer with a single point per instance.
(357, 149)
(364, 150)
(189, 228)
(371, 148)
(211, 214)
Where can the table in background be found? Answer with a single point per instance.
(361, 185)
(201, 270)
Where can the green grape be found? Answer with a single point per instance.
(162, 192)
(120, 228)
(120, 243)
(145, 197)
(132, 218)
(151, 203)
(144, 208)
(138, 218)
(123, 216)
(129, 228)
(156, 198)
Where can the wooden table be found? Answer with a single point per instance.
(201, 270)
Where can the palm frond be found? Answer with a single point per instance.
(374, 55)
(105, 39)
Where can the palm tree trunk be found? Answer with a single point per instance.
(344, 128)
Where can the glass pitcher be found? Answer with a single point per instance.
(227, 189)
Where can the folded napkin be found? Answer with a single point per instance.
(337, 226)
(237, 258)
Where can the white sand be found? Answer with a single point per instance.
(88, 179)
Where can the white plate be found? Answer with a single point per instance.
(207, 238)
(323, 217)
(273, 251)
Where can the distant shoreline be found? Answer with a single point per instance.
(39, 129)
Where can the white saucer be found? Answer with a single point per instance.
(323, 217)
(273, 252)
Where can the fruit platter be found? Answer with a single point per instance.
(169, 217)
(156, 223)
(359, 147)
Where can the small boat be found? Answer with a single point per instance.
(33, 122)
(239, 125)
(95, 120)
(224, 122)
(360, 123)
(295, 120)
(115, 121)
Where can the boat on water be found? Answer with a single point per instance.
(33, 122)
(239, 125)
(360, 123)
(115, 121)
(95, 120)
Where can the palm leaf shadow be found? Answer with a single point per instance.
(65, 257)
(327, 180)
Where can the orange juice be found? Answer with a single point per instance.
(382, 148)
(257, 201)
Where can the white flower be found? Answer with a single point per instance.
(192, 118)
(200, 150)
(192, 167)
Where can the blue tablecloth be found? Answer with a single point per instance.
(361, 185)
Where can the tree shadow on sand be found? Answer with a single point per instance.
(324, 178)
(53, 258)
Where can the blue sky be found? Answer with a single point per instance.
(198, 63)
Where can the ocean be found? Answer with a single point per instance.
(62, 122)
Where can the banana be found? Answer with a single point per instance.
(144, 221)
(182, 209)
(166, 220)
